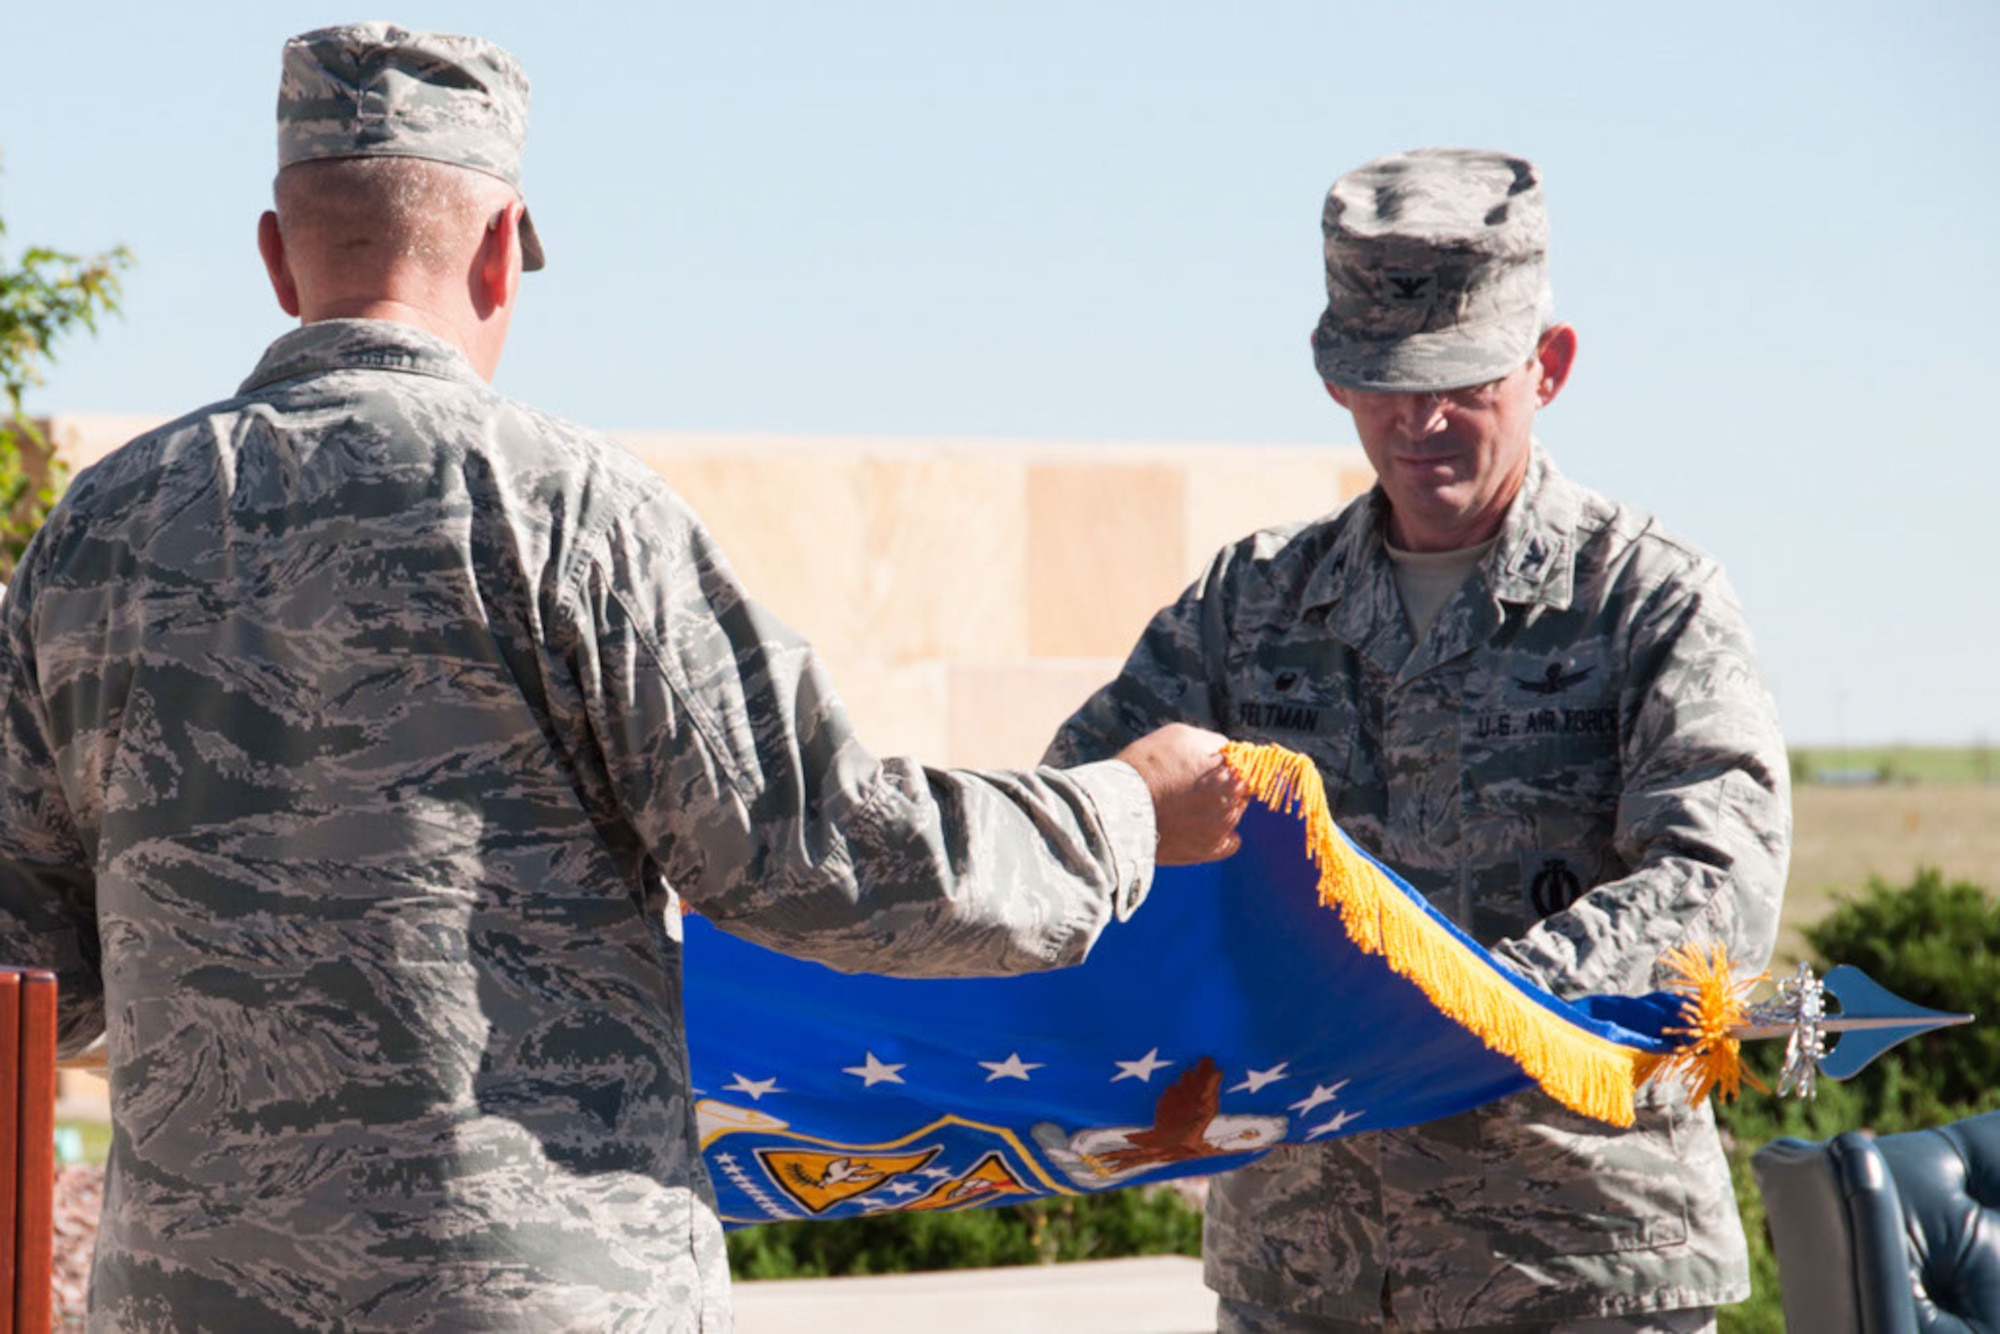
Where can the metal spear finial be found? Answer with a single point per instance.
(1871, 1019)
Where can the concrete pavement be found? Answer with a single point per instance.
(1160, 1294)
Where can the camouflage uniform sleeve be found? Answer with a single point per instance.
(736, 763)
(48, 912)
(1171, 675)
(1704, 818)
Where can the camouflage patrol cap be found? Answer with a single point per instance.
(377, 90)
(1436, 271)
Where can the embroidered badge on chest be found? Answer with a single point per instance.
(1555, 680)
(1284, 701)
(1551, 882)
(1549, 695)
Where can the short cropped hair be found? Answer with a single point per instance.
(374, 213)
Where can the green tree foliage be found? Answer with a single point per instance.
(47, 295)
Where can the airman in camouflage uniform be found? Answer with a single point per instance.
(1575, 759)
(361, 738)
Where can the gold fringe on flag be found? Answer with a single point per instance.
(1585, 1073)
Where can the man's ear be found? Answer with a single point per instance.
(1554, 356)
(496, 272)
(277, 265)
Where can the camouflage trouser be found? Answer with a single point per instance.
(1244, 1318)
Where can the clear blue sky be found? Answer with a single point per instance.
(1774, 225)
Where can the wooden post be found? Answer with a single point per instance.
(10, 1141)
(27, 1149)
(34, 1212)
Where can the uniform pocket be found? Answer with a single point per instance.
(1562, 1184)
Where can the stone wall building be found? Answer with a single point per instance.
(967, 595)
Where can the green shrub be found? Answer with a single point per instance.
(1931, 942)
(1763, 1313)
(1936, 944)
(1154, 1221)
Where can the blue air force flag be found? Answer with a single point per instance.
(1233, 1013)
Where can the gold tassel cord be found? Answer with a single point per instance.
(1712, 1003)
(1585, 1073)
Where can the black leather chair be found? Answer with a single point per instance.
(1891, 1234)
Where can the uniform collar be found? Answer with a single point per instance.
(1533, 562)
(377, 345)
(1346, 563)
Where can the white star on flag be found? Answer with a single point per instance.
(754, 1089)
(1011, 1068)
(1321, 1093)
(1256, 1079)
(874, 1072)
(905, 1188)
(1339, 1119)
(1141, 1069)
